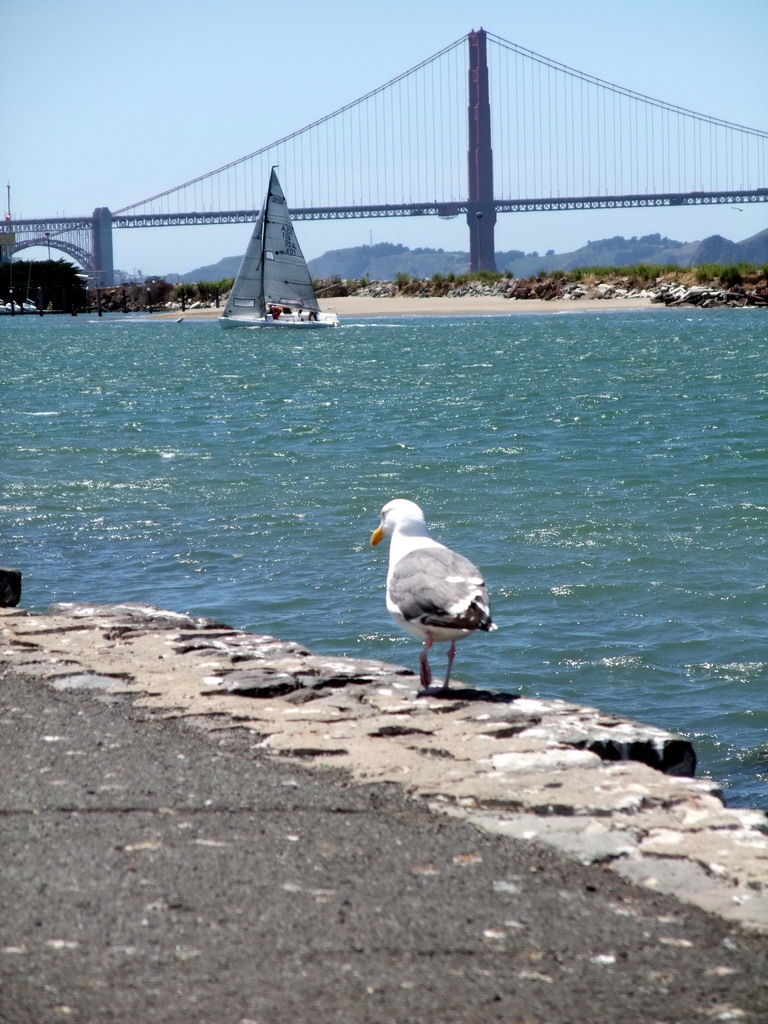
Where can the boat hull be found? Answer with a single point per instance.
(283, 323)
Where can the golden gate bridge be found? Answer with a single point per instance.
(481, 128)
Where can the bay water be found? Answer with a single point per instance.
(607, 470)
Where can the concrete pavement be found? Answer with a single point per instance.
(156, 871)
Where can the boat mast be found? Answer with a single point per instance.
(261, 263)
(263, 239)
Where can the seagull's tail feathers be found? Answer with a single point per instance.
(481, 617)
(475, 616)
(479, 613)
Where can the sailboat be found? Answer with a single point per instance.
(273, 287)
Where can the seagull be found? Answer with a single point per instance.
(432, 592)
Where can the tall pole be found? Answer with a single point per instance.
(481, 215)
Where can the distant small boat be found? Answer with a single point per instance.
(273, 287)
(11, 308)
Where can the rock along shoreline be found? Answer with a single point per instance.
(599, 788)
(505, 297)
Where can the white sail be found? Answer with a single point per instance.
(286, 275)
(273, 286)
(247, 295)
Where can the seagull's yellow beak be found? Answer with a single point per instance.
(376, 536)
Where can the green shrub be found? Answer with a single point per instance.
(201, 291)
(486, 276)
(734, 273)
(649, 271)
(707, 272)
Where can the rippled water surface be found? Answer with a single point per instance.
(608, 471)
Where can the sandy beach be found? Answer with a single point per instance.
(472, 305)
(475, 305)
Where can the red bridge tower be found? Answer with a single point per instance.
(481, 215)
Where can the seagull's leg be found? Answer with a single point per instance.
(451, 653)
(426, 671)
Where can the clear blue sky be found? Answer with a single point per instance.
(106, 103)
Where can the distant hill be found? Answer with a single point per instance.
(717, 249)
(384, 261)
(225, 268)
(604, 252)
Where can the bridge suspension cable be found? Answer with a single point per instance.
(404, 142)
(472, 131)
(556, 132)
(561, 132)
